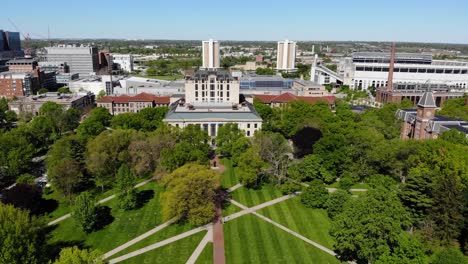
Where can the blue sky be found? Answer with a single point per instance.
(397, 20)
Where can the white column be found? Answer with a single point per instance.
(285, 54)
(210, 56)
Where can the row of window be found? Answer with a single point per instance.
(212, 87)
(414, 70)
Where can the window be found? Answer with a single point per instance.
(196, 87)
(255, 125)
(212, 87)
(227, 94)
(248, 133)
(196, 94)
(248, 125)
(213, 130)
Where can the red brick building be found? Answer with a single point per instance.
(132, 104)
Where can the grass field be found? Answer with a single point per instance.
(206, 257)
(175, 253)
(252, 197)
(229, 177)
(311, 223)
(249, 239)
(125, 225)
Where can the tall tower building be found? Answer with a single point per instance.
(286, 56)
(426, 112)
(210, 52)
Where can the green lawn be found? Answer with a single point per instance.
(125, 226)
(175, 253)
(229, 209)
(311, 223)
(249, 239)
(229, 177)
(206, 257)
(64, 204)
(252, 197)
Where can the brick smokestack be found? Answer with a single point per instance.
(390, 68)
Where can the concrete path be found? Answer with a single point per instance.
(329, 189)
(247, 210)
(108, 198)
(305, 239)
(196, 253)
(159, 244)
(235, 187)
(139, 238)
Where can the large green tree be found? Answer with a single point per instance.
(74, 255)
(190, 194)
(125, 182)
(369, 226)
(22, 239)
(85, 212)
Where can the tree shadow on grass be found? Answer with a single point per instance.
(104, 217)
(143, 197)
(52, 250)
(48, 206)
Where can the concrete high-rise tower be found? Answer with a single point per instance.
(210, 52)
(286, 56)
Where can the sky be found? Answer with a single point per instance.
(333, 20)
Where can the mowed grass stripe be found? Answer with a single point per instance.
(229, 178)
(168, 232)
(252, 197)
(269, 243)
(206, 257)
(311, 223)
(175, 253)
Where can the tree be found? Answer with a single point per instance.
(97, 122)
(190, 194)
(369, 226)
(308, 169)
(455, 137)
(336, 202)
(66, 176)
(408, 251)
(85, 212)
(315, 196)
(74, 255)
(250, 165)
(265, 71)
(231, 140)
(42, 91)
(64, 90)
(455, 108)
(273, 149)
(101, 94)
(125, 182)
(22, 239)
(26, 179)
(449, 256)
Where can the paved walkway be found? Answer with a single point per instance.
(235, 187)
(196, 253)
(329, 189)
(99, 202)
(139, 238)
(218, 236)
(159, 244)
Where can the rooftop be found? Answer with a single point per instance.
(142, 97)
(51, 97)
(203, 75)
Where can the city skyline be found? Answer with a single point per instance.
(415, 21)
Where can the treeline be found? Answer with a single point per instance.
(416, 206)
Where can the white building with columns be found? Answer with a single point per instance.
(212, 100)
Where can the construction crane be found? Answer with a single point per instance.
(27, 39)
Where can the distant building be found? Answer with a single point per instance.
(282, 99)
(124, 61)
(259, 58)
(286, 56)
(135, 85)
(23, 84)
(423, 123)
(54, 66)
(24, 65)
(32, 104)
(83, 60)
(132, 104)
(212, 87)
(94, 84)
(10, 45)
(309, 88)
(210, 54)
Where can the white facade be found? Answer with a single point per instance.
(286, 56)
(365, 74)
(210, 54)
(212, 125)
(212, 87)
(93, 84)
(125, 61)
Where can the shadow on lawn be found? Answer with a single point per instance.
(143, 197)
(52, 250)
(104, 217)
